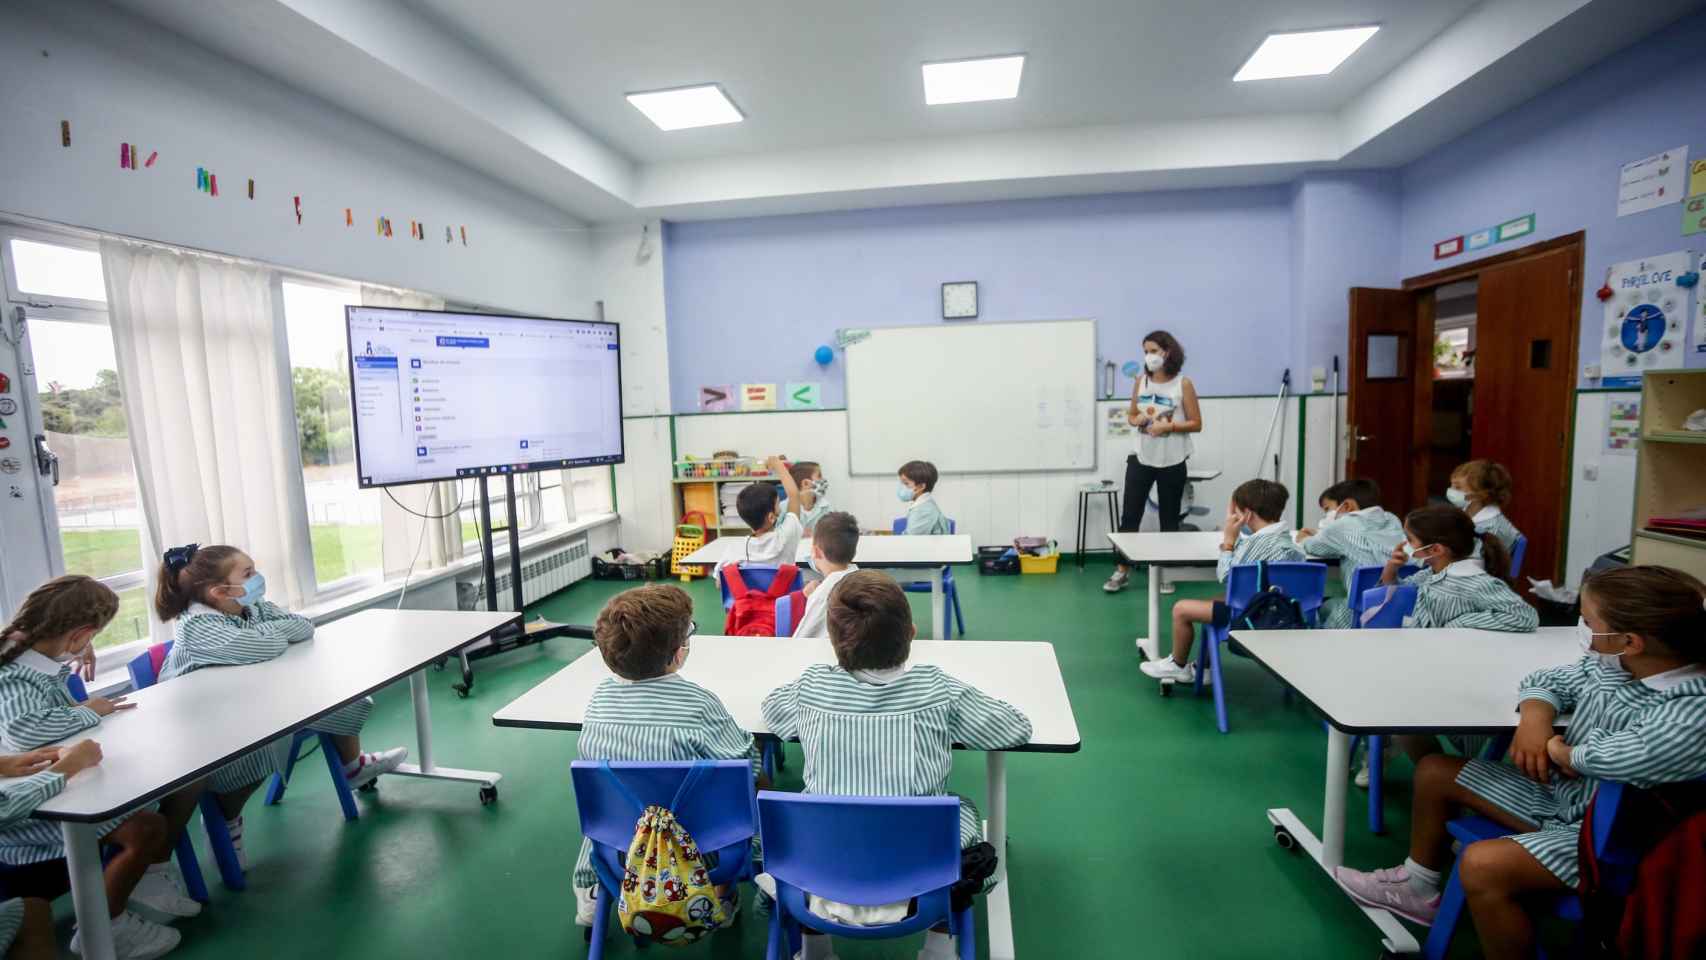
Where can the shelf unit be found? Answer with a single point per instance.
(1670, 471)
(705, 494)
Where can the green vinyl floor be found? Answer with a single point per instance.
(1150, 842)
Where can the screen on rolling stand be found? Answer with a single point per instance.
(438, 395)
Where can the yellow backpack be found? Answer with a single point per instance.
(667, 896)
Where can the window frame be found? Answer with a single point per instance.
(76, 309)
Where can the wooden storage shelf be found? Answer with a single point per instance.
(1670, 471)
(1674, 436)
(1668, 397)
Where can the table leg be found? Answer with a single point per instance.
(88, 890)
(1150, 644)
(426, 766)
(1000, 905)
(1080, 528)
(937, 606)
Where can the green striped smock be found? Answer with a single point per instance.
(924, 517)
(1493, 520)
(18, 799)
(1640, 732)
(36, 709)
(890, 733)
(1365, 538)
(206, 637)
(1464, 595)
(1271, 544)
(661, 719)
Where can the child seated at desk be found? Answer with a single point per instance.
(851, 717)
(1482, 489)
(1637, 700)
(916, 489)
(775, 533)
(26, 921)
(55, 626)
(1258, 506)
(833, 546)
(1453, 588)
(1356, 531)
(215, 601)
(814, 492)
(648, 711)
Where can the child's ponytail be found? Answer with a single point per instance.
(185, 572)
(56, 608)
(1495, 558)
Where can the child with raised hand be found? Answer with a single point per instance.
(1482, 489)
(833, 547)
(1257, 506)
(776, 531)
(648, 711)
(216, 602)
(1637, 700)
(872, 725)
(1453, 588)
(814, 492)
(917, 489)
(1355, 531)
(54, 627)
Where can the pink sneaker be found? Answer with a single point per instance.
(1389, 889)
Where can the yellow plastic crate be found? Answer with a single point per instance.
(1030, 564)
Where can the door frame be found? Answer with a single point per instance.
(1424, 285)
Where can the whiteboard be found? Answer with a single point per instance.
(973, 397)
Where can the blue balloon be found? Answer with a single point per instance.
(823, 356)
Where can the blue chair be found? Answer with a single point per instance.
(1303, 581)
(188, 865)
(806, 849)
(713, 799)
(1364, 579)
(758, 576)
(952, 614)
(1519, 549)
(1390, 605)
(1619, 861)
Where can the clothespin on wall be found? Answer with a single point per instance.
(298, 201)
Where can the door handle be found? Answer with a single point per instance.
(1364, 436)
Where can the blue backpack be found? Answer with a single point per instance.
(1271, 608)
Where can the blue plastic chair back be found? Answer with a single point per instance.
(1364, 579)
(719, 812)
(785, 613)
(143, 670)
(1519, 549)
(899, 527)
(79, 692)
(758, 576)
(907, 846)
(1389, 611)
(1302, 581)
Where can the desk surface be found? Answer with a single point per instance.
(195, 723)
(1186, 546)
(1410, 681)
(873, 551)
(741, 671)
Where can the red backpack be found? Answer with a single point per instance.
(754, 611)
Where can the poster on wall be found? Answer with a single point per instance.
(1623, 425)
(758, 396)
(717, 399)
(1118, 425)
(1644, 326)
(806, 395)
(1652, 181)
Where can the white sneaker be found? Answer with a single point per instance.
(161, 892)
(375, 765)
(1361, 779)
(1117, 582)
(586, 906)
(1166, 668)
(136, 939)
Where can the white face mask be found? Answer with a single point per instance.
(1153, 362)
(1413, 553)
(1328, 519)
(1458, 498)
(1585, 635)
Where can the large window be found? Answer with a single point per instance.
(343, 519)
(79, 407)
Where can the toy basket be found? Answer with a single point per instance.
(688, 538)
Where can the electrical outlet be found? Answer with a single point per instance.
(1591, 371)
(1590, 471)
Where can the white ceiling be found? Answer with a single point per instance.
(1117, 94)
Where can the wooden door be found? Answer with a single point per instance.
(1381, 397)
(1527, 315)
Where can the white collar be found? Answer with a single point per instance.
(1672, 678)
(1487, 512)
(198, 608)
(835, 574)
(1365, 512)
(633, 683)
(925, 497)
(881, 678)
(40, 661)
(1464, 568)
(1275, 527)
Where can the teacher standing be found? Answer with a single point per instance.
(1165, 412)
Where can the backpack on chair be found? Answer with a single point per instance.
(754, 611)
(1270, 609)
(667, 896)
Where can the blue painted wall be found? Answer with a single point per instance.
(1558, 156)
(749, 300)
(1344, 234)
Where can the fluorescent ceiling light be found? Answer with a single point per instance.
(965, 81)
(1309, 53)
(704, 105)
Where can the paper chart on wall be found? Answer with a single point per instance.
(1117, 424)
(1643, 326)
(1623, 425)
(1652, 181)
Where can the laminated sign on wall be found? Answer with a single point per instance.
(1652, 181)
(758, 396)
(1644, 317)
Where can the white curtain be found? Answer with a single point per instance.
(200, 347)
(400, 530)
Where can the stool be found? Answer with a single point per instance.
(1084, 495)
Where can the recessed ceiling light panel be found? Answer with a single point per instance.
(702, 105)
(1307, 53)
(966, 81)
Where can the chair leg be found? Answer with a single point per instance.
(281, 781)
(966, 936)
(219, 838)
(1207, 640)
(1445, 922)
(340, 783)
(600, 922)
(188, 865)
(1376, 792)
(959, 617)
(1219, 684)
(773, 948)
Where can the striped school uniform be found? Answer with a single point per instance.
(18, 799)
(924, 517)
(661, 719)
(36, 709)
(206, 637)
(1463, 595)
(1364, 538)
(1270, 544)
(890, 733)
(1493, 520)
(1640, 732)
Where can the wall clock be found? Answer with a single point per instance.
(959, 300)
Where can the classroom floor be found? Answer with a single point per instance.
(1150, 840)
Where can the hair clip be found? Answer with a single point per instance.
(178, 558)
